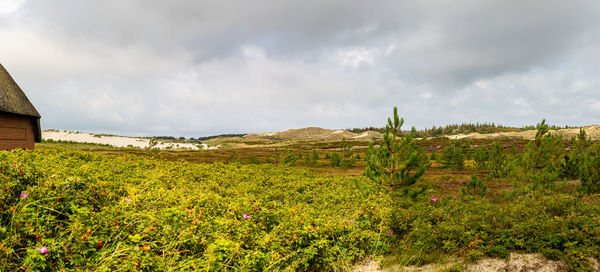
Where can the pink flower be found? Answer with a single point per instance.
(433, 198)
(519, 197)
(43, 250)
(24, 195)
(245, 216)
(53, 176)
(128, 199)
(391, 232)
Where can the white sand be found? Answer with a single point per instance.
(362, 135)
(515, 262)
(592, 131)
(116, 141)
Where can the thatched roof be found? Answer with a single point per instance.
(13, 100)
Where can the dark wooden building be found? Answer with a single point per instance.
(19, 120)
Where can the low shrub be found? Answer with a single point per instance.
(560, 226)
(105, 213)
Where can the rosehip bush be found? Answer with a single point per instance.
(67, 210)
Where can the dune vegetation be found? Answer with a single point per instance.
(108, 213)
(301, 206)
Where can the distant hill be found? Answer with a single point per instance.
(219, 136)
(314, 133)
(592, 131)
(321, 134)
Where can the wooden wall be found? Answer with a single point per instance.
(15, 132)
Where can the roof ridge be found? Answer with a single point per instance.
(12, 98)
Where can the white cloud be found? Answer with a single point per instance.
(10, 6)
(427, 95)
(357, 56)
(252, 52)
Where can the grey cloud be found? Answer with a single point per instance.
(218, 28)
(464, 42)
(438, 41)
(194, 68)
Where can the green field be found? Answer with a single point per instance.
(296, 206)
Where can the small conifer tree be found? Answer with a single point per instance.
(500, 164)
(347, 155)
(311, 159)
(398, 161)
(453, 156)
(570, 168)
(152, 148)
(544, 151)
(475, 187)
(542, 157)
(583, 141)
(590, 170)
(335, 159)
(481, 158)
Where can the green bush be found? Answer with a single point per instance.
(475, 186)
(481, 158)
(572, 163)
(544, 153)
(554, 224)
(253, 159)
(311, 159)
(290, 158)
(500, 164)
(453, 156)
(233, 158)
(344, 158)
(569, 168)
(590, 170)
(348, 158)
(335, 159)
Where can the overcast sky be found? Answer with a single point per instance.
(197, 68)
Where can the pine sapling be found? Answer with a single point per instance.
(481, 158)
(590, 170)
(398, 161)
(475, 186)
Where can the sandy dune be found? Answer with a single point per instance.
(591, 131)
(321, 134)
(116, 141)
(313, 133)
(309, 133)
